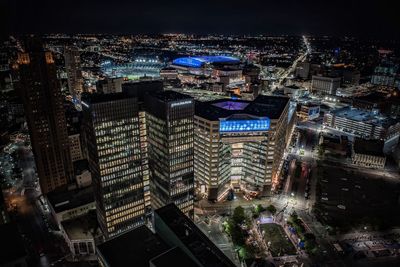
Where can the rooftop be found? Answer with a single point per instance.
(364, 116)
(80, 228)
(95, 98)
(80, 166)
(169, 95)
(369, 147)
(376, 97)
(140, 88)
(13, 245)
(263, 106)
(231, 105)
(193, 239)
(124, 250)
(165, 259)
(66, 200)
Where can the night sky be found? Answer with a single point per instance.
(340, 17)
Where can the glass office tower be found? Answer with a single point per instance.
(169, 118)
(117, 150)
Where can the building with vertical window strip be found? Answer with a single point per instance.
(73, 68)
(117, 152)
(169, 118)
(239, 144)
(43, 103)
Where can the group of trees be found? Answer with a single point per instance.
(259, 208)
(309, 240)
(321, 151)
(236, 227)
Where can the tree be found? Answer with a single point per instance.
(272, 209)
(237, 235)
(321, 150)
(257, 210)
(228, 226)
(309, 236)
(238, 216)
(294, 216)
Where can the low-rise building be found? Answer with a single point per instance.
(368, 153)
(334, 144)
(383, 102)
(306, 112)
(214, 86)
(80, 234)
(83, 176)
(351, 90)
(293, 91)
(363, 123)
(70, 204)
(325, 85)
(303, 70)
(109, 85)
(169, 73)
(385, 74)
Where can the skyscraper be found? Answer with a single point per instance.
(73, 68)
(169, 117)
(117, 152)
(43, 104)
(239, 144)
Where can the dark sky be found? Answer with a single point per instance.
(340, 17)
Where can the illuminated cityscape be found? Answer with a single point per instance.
(204, 134)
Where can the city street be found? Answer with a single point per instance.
(212, 227)
(34, 222)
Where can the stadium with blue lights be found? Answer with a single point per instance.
(201, 61)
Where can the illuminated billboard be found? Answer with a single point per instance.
(313, 112)
(244, 125)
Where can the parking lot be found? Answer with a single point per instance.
(348, 197)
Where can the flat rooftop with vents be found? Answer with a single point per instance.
(263, 106)
(178, 230)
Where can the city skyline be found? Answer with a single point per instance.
(340, 18)
(199, 133)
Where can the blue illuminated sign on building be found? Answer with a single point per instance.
(244, 125)
(313, 111)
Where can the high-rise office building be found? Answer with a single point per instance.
(117, 152)
(169, 117)
(73, 68)
(43, 104)
(239, 144)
